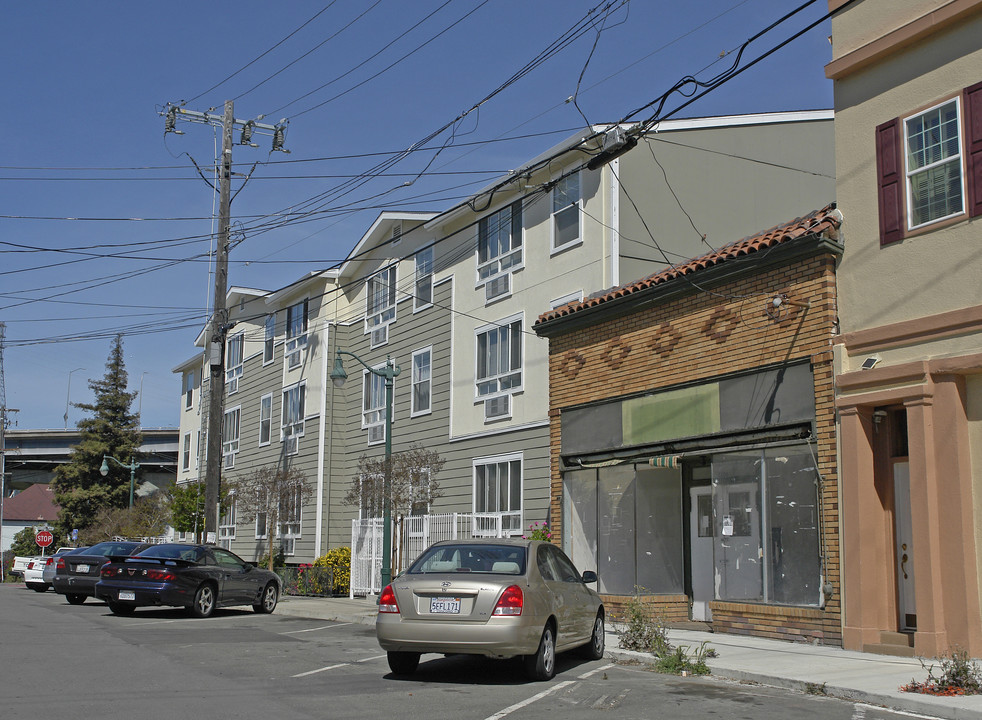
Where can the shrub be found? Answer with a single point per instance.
(643, 631)
(960, 675)
(339, 561)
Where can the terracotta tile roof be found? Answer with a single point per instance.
(35, 503)
(826, 220)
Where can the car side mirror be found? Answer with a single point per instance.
(589, 576)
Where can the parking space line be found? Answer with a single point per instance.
(585, 675)
(322, 627)
(519, 705)
(319, 670)
(369, 659)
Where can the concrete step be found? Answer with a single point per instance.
(903, 639)
(896, 644)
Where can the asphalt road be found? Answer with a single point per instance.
(81, 662)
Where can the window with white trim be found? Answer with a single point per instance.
(296, 334)
(233, 362)
(370, 493)
(380, 305)
(262, 520)
(230, 436)
(419, 491)
(291, 427)
(422, 382)
(423, 294)
(499, 250)
(265, 419)
(189, 379)
(498, 494)
(290, 518)
(269, 336)
(186, 453)
(373, 407)
(935, 185)
(499, 367)
(566, 212)
(226, 522)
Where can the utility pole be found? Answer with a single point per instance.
(3, 433)
(218, 324)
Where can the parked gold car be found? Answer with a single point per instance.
(500, 598)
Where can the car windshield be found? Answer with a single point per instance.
(191, 553)
(498, 559)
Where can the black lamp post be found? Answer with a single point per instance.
(338, 377)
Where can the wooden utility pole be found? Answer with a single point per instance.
(218, 322)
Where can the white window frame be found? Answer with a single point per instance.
(262, 526)
(186, 453)
(230, 435)
(423, 287)
(189, 379)
(289, 530)
(566, 299)
(958, 160)
(560, 193)
(480, 501)
(420, 486)
(418, 381)
(226, 522)
(234, 354)
(380, 298)
(372, 415)
(506, 325)
(294, 429)
(296, 334)
(493, 262)
(266, 419)
(376, 502)
(269, 338)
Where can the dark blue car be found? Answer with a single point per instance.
(197, 577)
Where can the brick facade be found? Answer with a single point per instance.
(703, 332)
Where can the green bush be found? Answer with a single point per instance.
(642, 630)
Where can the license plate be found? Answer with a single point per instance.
(127, 595)
(445, 605)
(81, 568)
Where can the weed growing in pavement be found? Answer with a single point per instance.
(960, 675)
(642, 630)
(815, 688)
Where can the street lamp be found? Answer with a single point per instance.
(68, 399)
(338, 376)
(132, 467)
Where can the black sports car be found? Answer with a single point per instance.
(197, 577)
(77, 573)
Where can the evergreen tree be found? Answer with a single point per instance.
(80, 489)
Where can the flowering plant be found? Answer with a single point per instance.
(538, 531)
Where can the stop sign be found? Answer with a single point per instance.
(44, 538)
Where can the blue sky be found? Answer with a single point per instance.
(104, 221)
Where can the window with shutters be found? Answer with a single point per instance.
(927, 166)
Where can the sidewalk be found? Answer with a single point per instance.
(861, 677)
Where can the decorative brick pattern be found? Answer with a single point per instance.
(695, 337)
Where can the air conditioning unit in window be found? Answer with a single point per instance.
(380, 335)
(497, 407)
(496, 288)
(376, 434)
(229, 461)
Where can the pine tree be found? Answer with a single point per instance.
(80, 489)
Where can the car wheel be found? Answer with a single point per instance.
(121, 608)
(403, 663)
(267, 601)
(594, 650)
(542, 665)
(75, 598)
(204, 602)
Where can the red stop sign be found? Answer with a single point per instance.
(44, 538)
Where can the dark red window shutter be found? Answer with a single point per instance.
(973, 148)
(890, 175)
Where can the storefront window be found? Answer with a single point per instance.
(766, 526)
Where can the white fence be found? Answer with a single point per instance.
(411, 536)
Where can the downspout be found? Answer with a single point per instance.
(322, 426)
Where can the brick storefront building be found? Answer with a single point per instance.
(693, 440)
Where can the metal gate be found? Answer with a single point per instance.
(411, 536)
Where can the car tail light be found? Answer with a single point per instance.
(30, 565)
(110, 570)
(159, 575)
(50, 560)
(60, 564)
(387, 601)
(510, 602)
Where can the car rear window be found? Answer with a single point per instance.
(496, 559)
(111, 548)
(174, 552)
